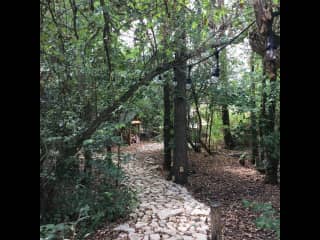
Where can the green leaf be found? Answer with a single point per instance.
(88, 142)
(194, 25)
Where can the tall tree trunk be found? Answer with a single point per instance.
(260, 161)
(106, 37)
(167, 126)
(207, 126)
(272, 158)
(180, 157)
(228, 139)
(210, 128)
(109, 154)
(254, 137)
(196, 101)
(167, 92)
(87, 163)
(271, 151)
(265, 15)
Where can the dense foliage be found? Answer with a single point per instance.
(100, 64)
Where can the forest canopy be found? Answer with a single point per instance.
(198, 75)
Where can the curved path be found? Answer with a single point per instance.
(166, 210)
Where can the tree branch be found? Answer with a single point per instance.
(74, 11)
(75, 142)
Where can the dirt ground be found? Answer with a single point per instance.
(220, 178)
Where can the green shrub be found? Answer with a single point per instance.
(267, 218)
(272, 141)
(241, 134)
(54, 231)
(82, 201)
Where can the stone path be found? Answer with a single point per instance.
(166, 210)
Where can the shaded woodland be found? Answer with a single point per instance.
(192, 85)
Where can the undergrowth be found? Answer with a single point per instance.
(267, 218)
(80, 201)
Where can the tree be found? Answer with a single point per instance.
(167, 125)
(197, 144)
(180, 157)
(102, 59)
(266, 43)
(253, 117)
(228, 139)
(262, 124)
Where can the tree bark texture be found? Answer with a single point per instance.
(167, 126)
(265, 16)
(228, 139)
(180, 157)
(253, 117)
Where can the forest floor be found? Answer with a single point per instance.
(170, 211)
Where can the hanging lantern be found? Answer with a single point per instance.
(216, 72)
(216, 69)
(188, 83)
